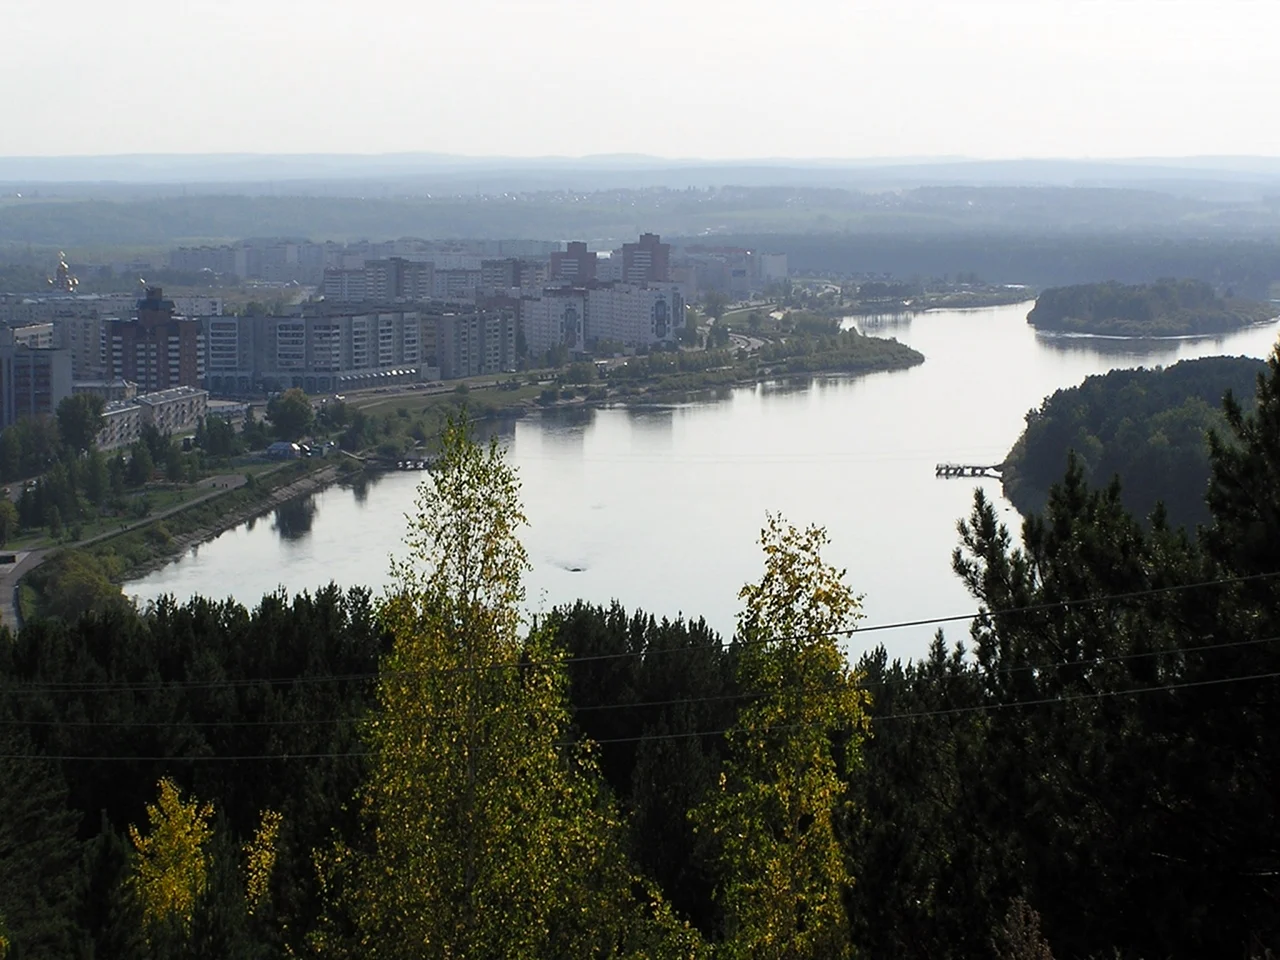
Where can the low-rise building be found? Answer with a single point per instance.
(174, 411)
(109, 390)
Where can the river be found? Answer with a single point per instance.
(660, 507)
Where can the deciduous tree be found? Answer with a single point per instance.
(783, 875)
(489, 838)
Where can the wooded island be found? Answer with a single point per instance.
(1166, 308)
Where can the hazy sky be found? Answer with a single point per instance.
(705, 78)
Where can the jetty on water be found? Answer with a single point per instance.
(376, 462)
(949, 471)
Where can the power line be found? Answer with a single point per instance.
(684, 735)
(87, 687)
(620, 705)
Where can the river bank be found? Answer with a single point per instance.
(83, 576)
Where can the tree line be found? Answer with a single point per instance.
(1149, 427)
(1164, 308)
(1091, 773)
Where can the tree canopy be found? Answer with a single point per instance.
(291, 414)
(1162, 309)
(1149, 427)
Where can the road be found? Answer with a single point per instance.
(12, 574)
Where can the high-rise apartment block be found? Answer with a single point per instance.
(322, 349)
(476, 342)
(579, 318)
(33, 380)
(646, 261)
(157, 349)
(574, 265)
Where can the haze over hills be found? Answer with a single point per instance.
(337, 174)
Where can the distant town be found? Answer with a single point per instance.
(337, 317)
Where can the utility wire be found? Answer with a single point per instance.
(978, 708)
(87, 687)
(574, 711)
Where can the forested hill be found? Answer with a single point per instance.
(1166, 308)
(1146, 426)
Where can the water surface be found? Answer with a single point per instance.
(660, 507)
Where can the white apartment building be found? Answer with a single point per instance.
(633, 315)
(556, 317)
(173, 411)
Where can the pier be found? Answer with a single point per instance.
(948, 471)
(375, 462)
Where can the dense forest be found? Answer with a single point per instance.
(1149, 427)
(1037, 258)
(1093, 773)
(1166, 308)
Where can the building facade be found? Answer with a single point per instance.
(648, 260)
(476, 342)
(33, 381)
(158, 349)
(556, 318)
(175, 411)
(576, 265)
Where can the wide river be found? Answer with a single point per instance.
(660, 507)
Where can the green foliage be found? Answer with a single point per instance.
(8, 520)
(1161, 309)
(714, 303)
(28, 447)
(39, 854)
(219, 439)
(784, 878)
(487, 835)
(80, 420)
(194, 703)
(291, 414)
(1147, 426)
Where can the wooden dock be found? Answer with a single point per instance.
(950, 471)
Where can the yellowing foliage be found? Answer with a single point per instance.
(172, 864)
(489, 837)
(783, 874)
(260, 859)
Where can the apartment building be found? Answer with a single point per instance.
(575, 265)
(476, 342)
(33, 380)
(648, 260)
(157, 349)
(322, 349)
(622, 313)
(175, 411)
(557, 317)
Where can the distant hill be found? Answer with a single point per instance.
(1166, 308)
(1146, 426)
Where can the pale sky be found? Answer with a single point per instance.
(674, 78)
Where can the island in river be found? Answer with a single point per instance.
(1147, 427)
(1166, 308)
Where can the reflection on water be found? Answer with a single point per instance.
(1144, 352)
(878, 322)
(293, 519)
(659, 506)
